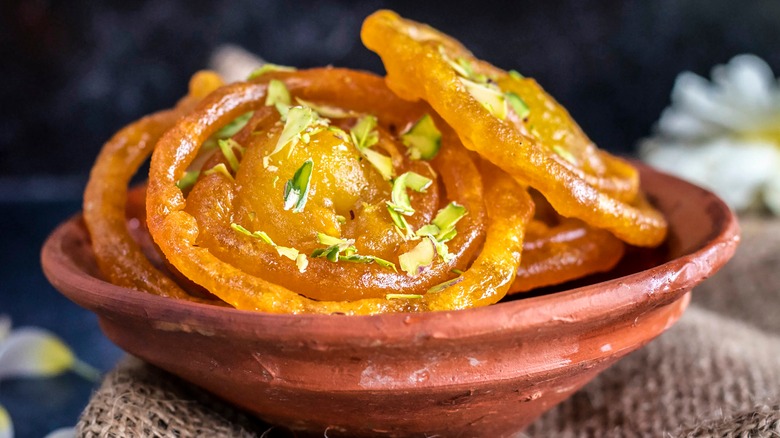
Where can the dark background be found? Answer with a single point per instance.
(74, 72)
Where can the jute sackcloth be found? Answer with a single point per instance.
(715, 373)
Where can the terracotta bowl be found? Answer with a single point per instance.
(482, 372)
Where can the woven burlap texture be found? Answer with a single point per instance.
(715, 373)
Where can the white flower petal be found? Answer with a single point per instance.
(771, 193)
(680, 124)
(234, 63)
(5, 327)
(33, 352)
(698, 97)
(63, 432)
(747, 79)
(736, 171)
(6, 426)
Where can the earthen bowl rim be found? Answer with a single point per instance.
(601, 301)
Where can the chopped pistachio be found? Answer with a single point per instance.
(358, 258)
(403, 227)
(403, 296)
(227, 146)
(364, 134)
(302, 263)
(422, 139)
(444, 285)
(384, 263)
(428, 230)
(417, 182)
(290, 253)
(341, 219)
(400, 199)
(219, 169)
(442, 229)
(515, 74)
(565, 154)
(489, 96)
(241, 229)
(446, 235)
(228, 130)
(330, 241)
(327, 110)
(418, 257)
(463, 67)
(282, 109)
(296, 191)
(442, 249)
(298, 119)
(338, 246)
(518, 105)
(456, 271)
(262, 235)
(382, 163)
(339, 133)
(277, 93)
(265, 68)
(188, 180)
(331, 253)
(446, 219)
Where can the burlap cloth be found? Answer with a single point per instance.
(715, 373)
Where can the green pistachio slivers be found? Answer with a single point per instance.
(188, 180)
(382, 163)
(296, 191)
(228, 130)
(419, 257)
(446, 219)
(220, 169)
(518, 105)
(489, 96)
(399, 198)
(277, 93)
(266, 68)
(227, 146)
(444, 285)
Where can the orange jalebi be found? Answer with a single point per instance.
(324, 191)
(510, 121)
(119, 257)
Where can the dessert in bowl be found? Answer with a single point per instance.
(488, 371)
(334, 264)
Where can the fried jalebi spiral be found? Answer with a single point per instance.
(310, 222)
(445, 186)
(510, 121)
(119, 257)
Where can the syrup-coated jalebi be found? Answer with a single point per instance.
(324, 191)
(508, 120)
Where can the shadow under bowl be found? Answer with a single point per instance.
(480, 372)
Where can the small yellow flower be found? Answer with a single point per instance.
(6, 427)
(35, 352)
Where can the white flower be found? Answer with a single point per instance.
(35, 352)
(234, 63)
(6, 426)
(725, 134)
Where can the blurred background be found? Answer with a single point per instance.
(74, 72)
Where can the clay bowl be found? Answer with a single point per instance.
(482, 372)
